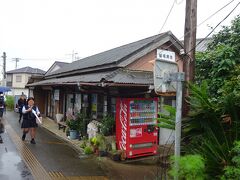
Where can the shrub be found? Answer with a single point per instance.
(88, 150)
(10, 102)
(233, 171)
(102, 142)
(108, 122)
(190, 167)
(83, 144)
(94, 141)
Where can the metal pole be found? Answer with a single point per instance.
(178, 124)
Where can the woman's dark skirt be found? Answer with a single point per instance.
(27, 123)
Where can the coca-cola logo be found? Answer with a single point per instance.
(123, 121)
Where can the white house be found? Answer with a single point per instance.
(18, 78)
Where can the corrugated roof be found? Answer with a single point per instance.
(96, 77)
(27, 70)
(126, 76)
(202, 46)
(114, 56)
(121, 76)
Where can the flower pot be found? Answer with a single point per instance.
(73, 134)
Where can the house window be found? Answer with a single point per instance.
(18, 78)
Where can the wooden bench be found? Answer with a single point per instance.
(62, 125)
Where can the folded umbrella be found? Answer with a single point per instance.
(39, 121)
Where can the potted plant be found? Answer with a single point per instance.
(102, 145)
(88, 150)
(73, 128)
(95, 144)
(107, 125)
(75, 125)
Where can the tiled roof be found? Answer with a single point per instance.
(117, 57)
(59, 64)
(27, 70)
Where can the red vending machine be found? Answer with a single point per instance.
(136, 131)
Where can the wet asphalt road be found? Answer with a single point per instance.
(11, 164)
(56, 156)
(53, 154)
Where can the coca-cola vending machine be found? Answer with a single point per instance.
(136, 131)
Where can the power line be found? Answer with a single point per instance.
(202, 23)
(215, 13)
(214, 28)
(211, 16)
(178, 3)
(174, 2)
(167, 16)
(206, 20)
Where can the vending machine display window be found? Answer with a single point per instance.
(136, 126)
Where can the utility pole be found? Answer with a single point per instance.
(4, 69)
(16, 61)
(73, 54)
(189, 47)
(4, 65)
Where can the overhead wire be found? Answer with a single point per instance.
(174, 1)
(210, 16)
(213, 29)
(178, 3)
(200, 25)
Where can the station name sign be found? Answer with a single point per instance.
(165, 55)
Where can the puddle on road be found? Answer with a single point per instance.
(12, 167)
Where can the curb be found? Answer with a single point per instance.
(75, 147)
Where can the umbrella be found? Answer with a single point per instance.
(4, 89)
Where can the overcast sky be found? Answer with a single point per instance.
(43, 31)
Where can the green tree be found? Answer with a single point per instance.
(222, 58)
(213, 124)
(211, 128)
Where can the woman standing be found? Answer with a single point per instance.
(21, 103)
(29, 119)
